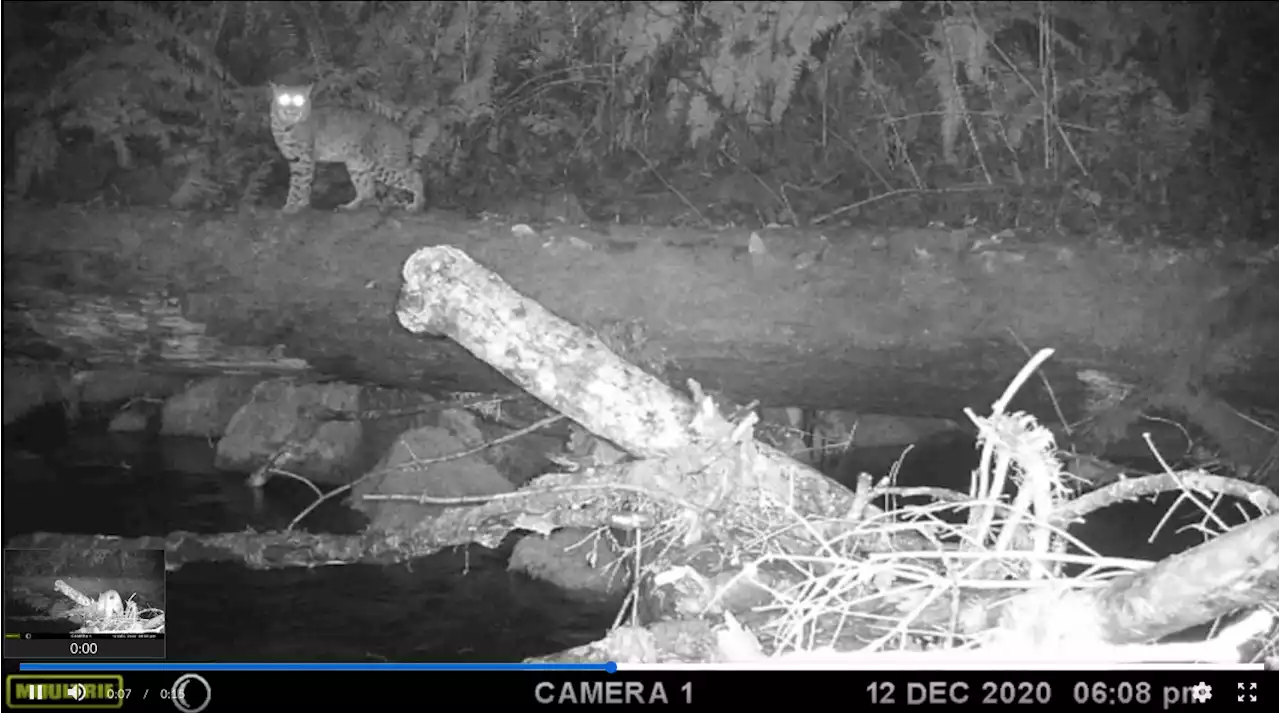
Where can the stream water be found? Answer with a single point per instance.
(1146, 529)
(459, 605)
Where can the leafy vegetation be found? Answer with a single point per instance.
(1078, 115)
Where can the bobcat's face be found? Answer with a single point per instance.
(290, 105)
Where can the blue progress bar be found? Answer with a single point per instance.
(609, 667)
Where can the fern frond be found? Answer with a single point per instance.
(37, 156)
(474, 96)
(351, 11)
(157, 28)
(316, 42)
(646, 29)
(256, 185)
(197, 189)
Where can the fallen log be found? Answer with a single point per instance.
(446, 293)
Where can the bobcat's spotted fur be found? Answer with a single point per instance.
(374, 149)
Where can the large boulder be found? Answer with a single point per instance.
(581, 562)
(408, 469)
(205, 407)
(279, 412)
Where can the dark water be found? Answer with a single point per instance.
(1147, 529)
(459, 605)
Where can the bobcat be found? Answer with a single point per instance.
(374, 149)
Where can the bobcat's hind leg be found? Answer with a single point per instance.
(410, 181)
(419, 192)
(362, 177)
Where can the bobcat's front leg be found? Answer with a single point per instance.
(302, 174)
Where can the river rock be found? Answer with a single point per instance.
(280, 411)
(29, 385)
(399, 473)
(575, 560)
(104, 386)
(205, 407)
(134, 419)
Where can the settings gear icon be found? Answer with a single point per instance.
(1201, 692)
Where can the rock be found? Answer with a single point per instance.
(205, 408)
(518, 460)
(463, 425)
(28, 386)
(525, 458)
(471, 475)
(399, 411)
(573, 559)
(134, 419)
(113, 385)
(277, 413)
